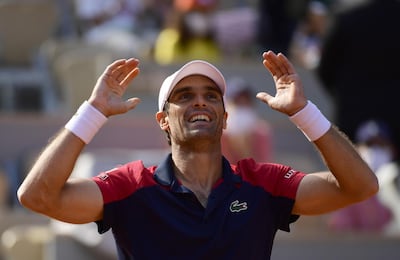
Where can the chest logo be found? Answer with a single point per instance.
(237, 206)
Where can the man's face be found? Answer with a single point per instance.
(195, 111)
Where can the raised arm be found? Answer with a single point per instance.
(47, 189)
(350, 179)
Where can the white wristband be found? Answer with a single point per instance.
(86, 122)
(311, 122)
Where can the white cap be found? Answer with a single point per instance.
(195, 67)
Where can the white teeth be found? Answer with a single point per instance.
(200, 118)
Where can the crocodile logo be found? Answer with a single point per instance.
(237, 206)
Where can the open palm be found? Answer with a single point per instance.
(289, 97)
(107, 95)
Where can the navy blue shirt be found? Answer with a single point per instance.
(153, 216)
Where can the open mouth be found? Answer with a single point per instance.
(202, 118)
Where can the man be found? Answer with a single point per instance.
(195, 204)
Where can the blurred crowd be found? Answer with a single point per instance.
(174, 31)
(311, 33)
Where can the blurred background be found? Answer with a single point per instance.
(51, 53)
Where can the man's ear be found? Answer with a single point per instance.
(225, 120)
(162, 120)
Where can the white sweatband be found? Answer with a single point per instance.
(311, 122)
(86, 122)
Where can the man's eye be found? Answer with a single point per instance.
(184, 96)
(212, 96)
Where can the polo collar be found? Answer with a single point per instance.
(164, 174)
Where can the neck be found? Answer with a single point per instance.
(198, 171)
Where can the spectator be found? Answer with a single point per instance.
(195, 5)
(389, 194)
(375, 143)
(186, 36)
(247, 134)
(235, 31)
(358, 65)
(113, 23)
(305, 48)
(376, 146)
(278, 20)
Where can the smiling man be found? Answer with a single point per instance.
(195, 204)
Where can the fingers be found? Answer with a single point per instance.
(277, 64)
(132, 103)
(127, 69)
(121, 72)
(128, 78)
(286, 64)
(270, 62)
(264, 97)
(112, 69)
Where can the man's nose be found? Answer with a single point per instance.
(200, 101)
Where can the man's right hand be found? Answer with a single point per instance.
(111, 86)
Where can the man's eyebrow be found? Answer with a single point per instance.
(180, 90)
